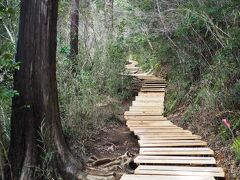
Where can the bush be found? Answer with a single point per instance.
(236, 148)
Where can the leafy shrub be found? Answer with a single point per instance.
(236, 148)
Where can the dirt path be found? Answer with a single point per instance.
(112, 141)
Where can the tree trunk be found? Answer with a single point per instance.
(37, 103)
(74, 28)
(109, 15)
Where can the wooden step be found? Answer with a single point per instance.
(184, 137)
(152, 89)
(156, 129)
(163, 177)
(156, 97)
(151, 94)
(147, 108)
(136, 113)
(153, 85)
(152, 130)
(163, 143)
(161, 81)
(145, 118)
(180, 171)
(147, 99)
(176, 151)
(148, 104)
(149, 123)
(171, 143)
(163, 126)
(141, 159)
(143, 136)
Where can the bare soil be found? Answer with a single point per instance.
(112, 141)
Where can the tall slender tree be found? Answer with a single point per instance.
(36, 106)
(74, 28)
(109, 15)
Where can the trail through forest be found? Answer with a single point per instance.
(64, 86)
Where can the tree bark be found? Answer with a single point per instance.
(109, 15)
(37, 101)
(74, 28)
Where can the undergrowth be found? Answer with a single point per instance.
(199, 40)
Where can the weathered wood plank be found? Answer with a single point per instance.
(163, 177)
(148, 104)
(152, 90)
(127, 113)
(166, 129)
(148, 123)
(180, 171)
(171, 143)
(171, 137)
(176, 151)
(174, 160)
(130, 117)
(151, 94)
(162, 142)
(152, 130)
(148, 109)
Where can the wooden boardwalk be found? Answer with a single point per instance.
(167, 152)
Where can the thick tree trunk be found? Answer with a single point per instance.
(74, 28)
(38, 99)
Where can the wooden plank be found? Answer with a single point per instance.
(148, 111)
(146, 87)
(171, 143)
(150, 100)
(156, 129)
(147, 108)
(162, 134)
(180, 171)
(143, 136)
(174, 160)
(148, 104)
(131, 67)
(152, 130)
(185, 137)
(127, 113)
(151, 94)
(155, 81)
(136, 109)
(152, 90)
(176, 151)
(150, 97)
(145, 118)
(154, 85)
(163, 177)
(156, 126)
(148, 123)
(160, 110)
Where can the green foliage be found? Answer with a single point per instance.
(91, 85)
(145, 5)
(8, 31)
(236, 148)
(225, 133)
(207, 41)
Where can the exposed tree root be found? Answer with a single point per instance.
(110, 169)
